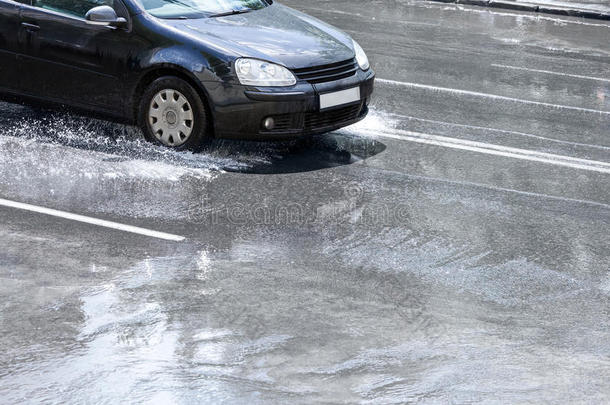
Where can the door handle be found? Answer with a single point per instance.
(30, 27)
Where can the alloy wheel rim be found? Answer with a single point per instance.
(171, 117)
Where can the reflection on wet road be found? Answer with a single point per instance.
(365, 266)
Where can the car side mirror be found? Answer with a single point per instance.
(105, 15)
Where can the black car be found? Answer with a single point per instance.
(185, 70)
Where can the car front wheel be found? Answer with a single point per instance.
(173, 115)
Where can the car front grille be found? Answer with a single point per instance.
(317, 121)
(328, 73)
(284, 122)
(323, 119)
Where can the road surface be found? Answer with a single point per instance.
(452, 248)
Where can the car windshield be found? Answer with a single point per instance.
(199, 8)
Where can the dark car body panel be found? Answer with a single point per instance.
(68, 59)
(276, 33)
(242, 116)
(9, 45)
(50, 57)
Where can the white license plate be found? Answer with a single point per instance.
(339, 98)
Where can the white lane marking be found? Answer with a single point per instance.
(490, 187)
(521, 16)
(497, 150)
(487, 95)
(360, 15)
(551, 72)
(334, 11)
(502, 131)
(91, 221)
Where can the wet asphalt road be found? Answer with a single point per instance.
(395, 261)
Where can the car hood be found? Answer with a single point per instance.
(276, 33)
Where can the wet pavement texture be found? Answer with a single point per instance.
(595, 5)
(388, 262)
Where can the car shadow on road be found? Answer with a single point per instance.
(127, 143)
(303, 155)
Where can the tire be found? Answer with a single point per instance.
(172, 114)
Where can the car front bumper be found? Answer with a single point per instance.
(239, 111)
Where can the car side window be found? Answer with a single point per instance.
(76, 8)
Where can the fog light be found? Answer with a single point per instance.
(269, 123)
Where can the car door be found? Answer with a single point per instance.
(9, 24)
(70, 60)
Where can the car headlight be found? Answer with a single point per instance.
(363, 61)
(254, 72)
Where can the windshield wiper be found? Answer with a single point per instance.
(232, 12)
